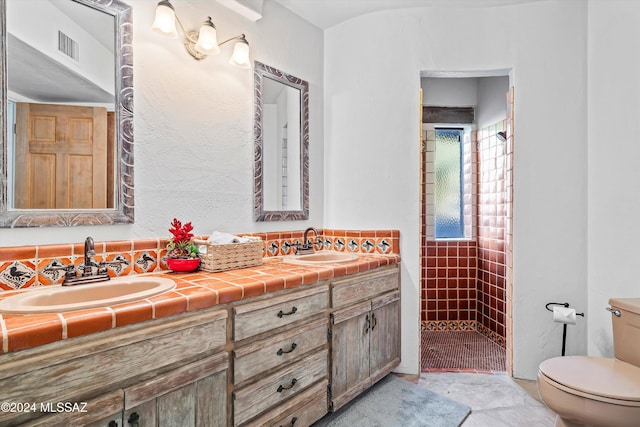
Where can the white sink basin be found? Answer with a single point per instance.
(320, 258)
(53, 299)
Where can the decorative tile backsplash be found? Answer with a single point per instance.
(27, 266)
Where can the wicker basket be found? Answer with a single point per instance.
(230, 256)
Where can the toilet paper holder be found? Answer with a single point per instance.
(564, 326)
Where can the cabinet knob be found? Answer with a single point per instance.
(133, 419)
(367, 325)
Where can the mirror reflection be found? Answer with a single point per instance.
(281, 145)
(60, 103)
(67, 128)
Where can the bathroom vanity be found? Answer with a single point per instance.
(283, 357)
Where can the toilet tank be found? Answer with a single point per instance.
(626, 329)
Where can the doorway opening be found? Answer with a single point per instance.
(466, 222)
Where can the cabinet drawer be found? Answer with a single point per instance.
(262, 356)
(366, 286)
(272, 313)
(278, 387)
(300, 411)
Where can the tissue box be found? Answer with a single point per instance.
(231, 256)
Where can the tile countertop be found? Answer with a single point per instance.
(193, 291)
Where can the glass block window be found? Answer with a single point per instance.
(448, 191)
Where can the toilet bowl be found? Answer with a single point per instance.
(591, 391)
(597, 391)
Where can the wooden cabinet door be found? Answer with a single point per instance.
(61, 157)
(202, 403)
(384, 335)
(349, 353)
(194, 395)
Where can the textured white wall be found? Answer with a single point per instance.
(372, 78)
(614, 194)
(194, 125)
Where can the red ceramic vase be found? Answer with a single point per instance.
(183, 265)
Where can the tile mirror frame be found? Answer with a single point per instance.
(123, 212)
(261, 72)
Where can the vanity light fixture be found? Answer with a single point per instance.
(202, 43)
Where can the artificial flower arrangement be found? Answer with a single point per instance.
(181, 244)
(182, 253)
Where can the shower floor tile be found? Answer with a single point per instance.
(463, 351)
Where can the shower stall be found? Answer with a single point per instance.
(466, 235)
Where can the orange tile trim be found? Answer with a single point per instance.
(194, 291)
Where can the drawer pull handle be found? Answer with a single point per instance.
(293, 347)
(374, 321)
(367, 325)
(282, 313)
(287, 387)
(112, 424)
(293, 421)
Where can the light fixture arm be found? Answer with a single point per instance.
(240, 37)
(186, 33)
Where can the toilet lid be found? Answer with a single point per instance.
(597, 376)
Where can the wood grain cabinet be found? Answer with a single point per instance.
(280, 359)
(170, 372)
(280, 373)
(365, 332)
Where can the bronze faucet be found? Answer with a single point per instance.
(89, 251)
(307, 247)
(70, 276)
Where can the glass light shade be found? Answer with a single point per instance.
(165, 20)
(240, 57)
(207, 39)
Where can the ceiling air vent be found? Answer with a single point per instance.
(68, 46)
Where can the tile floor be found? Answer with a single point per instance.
(469, 368)
(460, 351)
(496, 400)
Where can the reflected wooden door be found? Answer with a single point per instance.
(61, 157)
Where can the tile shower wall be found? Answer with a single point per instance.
(30, 266)
(450, 296)
(492, 204)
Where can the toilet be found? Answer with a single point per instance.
(597, 391)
